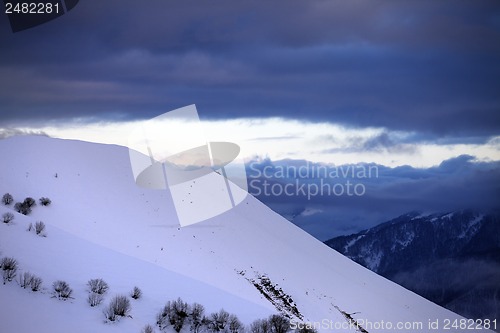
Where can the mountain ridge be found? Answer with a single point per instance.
(433, 247)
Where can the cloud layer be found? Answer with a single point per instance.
(428, 67)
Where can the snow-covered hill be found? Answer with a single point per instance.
(101, 225)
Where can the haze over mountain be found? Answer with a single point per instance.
(318, 200)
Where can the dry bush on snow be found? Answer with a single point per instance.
(98, 286)
(95, 299)
(7, 199)
(136, 293)
(7, 217)
(62, 290)
(44, 201)
(118, 307)
(40, 228)
(9, 268)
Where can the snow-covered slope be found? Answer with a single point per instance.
(100, 224)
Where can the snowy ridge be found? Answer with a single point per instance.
(351, 243)
(471, 227)
(101, 225)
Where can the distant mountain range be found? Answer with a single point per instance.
(450, 258)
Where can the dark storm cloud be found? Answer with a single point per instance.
(429, 67)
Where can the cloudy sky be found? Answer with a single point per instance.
(391, 82)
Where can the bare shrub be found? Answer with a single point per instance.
(28, 280)
(95, 299)
(260, 326)
(197, 315)
(218, 321)
(163, 316)
(235, 325)
(9, 268)
(118, 307)
(7, 217)
(148, 329)
(98, 286)
(45, 201)
(7, 199)
(25, 280)
(174, 313)
(109, 314)
(36, 283)
(136, 293)
(62, 290)
(29, 202)
(40, 228)
(20, 207)
(279, 323)
(121, 305)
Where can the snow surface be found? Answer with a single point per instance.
(373, 260)
(352, 242)
(472, 226)
(310, 212)
(448, 216)
(101, 225)
(404, 241)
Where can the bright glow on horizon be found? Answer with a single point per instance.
(278, 139)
